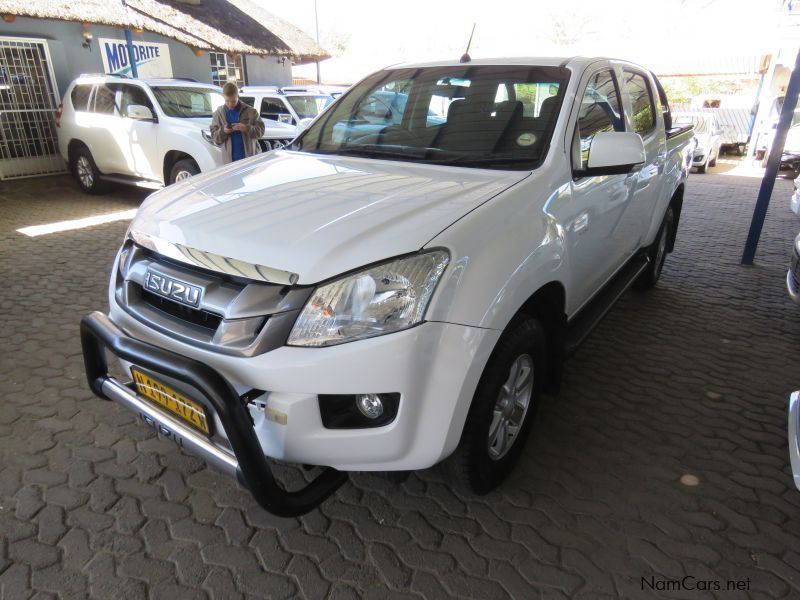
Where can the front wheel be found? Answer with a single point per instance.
(503, 409)
(657, 252)
(183, 170)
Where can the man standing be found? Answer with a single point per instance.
(236, 126)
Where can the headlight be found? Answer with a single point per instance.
(378, 300)
(207, 137)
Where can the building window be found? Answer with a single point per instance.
(224, 68)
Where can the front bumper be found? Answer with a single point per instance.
(435, 367)
(794, 432)
(246, 461)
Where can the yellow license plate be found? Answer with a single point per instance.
(167, 398)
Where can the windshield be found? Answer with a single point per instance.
(701, 123)
(474, 116)
(187, 102)
(308, 107)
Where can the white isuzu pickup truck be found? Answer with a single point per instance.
(401, 284)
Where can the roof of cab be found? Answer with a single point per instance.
(574, 62)
(98, 77)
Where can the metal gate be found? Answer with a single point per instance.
(28, 103)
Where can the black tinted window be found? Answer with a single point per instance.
(249, 100)
(599, 112)
(104, 99)
(132, 94)
(80, 96)
(272, 108)
(643, 115)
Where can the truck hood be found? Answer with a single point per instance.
(313, 215)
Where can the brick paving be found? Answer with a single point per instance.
(690, 379)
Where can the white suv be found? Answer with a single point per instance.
(149, 132)
(290, 106)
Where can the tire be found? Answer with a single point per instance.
(713, 163)
(657, 251)
(182, 170)
(703, 169)
(85, 172)
(482, 462)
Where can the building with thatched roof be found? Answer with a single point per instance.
(206, 40)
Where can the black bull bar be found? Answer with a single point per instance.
(248, 463)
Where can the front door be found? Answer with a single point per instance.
(28, 103)
(596, 234)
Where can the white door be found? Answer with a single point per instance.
(104, 132)
(139, 147)
(596, 230)
(638, 98)
(28, 103)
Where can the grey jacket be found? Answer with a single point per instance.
(247, 116)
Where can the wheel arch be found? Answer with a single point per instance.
(676, 202)
(73, 146)
(170, 158)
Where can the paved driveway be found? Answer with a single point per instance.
(686, 384)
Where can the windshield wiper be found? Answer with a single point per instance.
(485, 159)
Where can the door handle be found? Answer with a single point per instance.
(581, 223)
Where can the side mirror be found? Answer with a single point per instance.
(139, 112)
(615, 152)
(303, 124)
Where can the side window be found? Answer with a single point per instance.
(643, 112)
(104, 102)
(80, 97)
(249, 100)
(132, 94)
(275, 110)
(599, 112)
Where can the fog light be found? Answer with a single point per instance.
(370, 405)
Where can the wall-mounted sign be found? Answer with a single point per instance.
(152, 59)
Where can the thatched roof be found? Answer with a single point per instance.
(231, 26)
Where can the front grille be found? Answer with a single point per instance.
(234, 315)
(201, 318)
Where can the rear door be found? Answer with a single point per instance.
(104, 129)
(642, 112)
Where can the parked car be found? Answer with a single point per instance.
(150, 132)
(794, 436)
(384, 303)
(793, 274)
(289, 106)
(707, 135)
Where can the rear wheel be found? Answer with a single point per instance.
(657, 252)
(503, 409)
(85, 172)
(183, 170)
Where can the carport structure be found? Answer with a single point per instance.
(663, 460)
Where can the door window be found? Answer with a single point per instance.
(80, 96)
(249, 100)
(104, 101)
(643, 112)
(599, 112)
(132, 94)
(275, 110)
